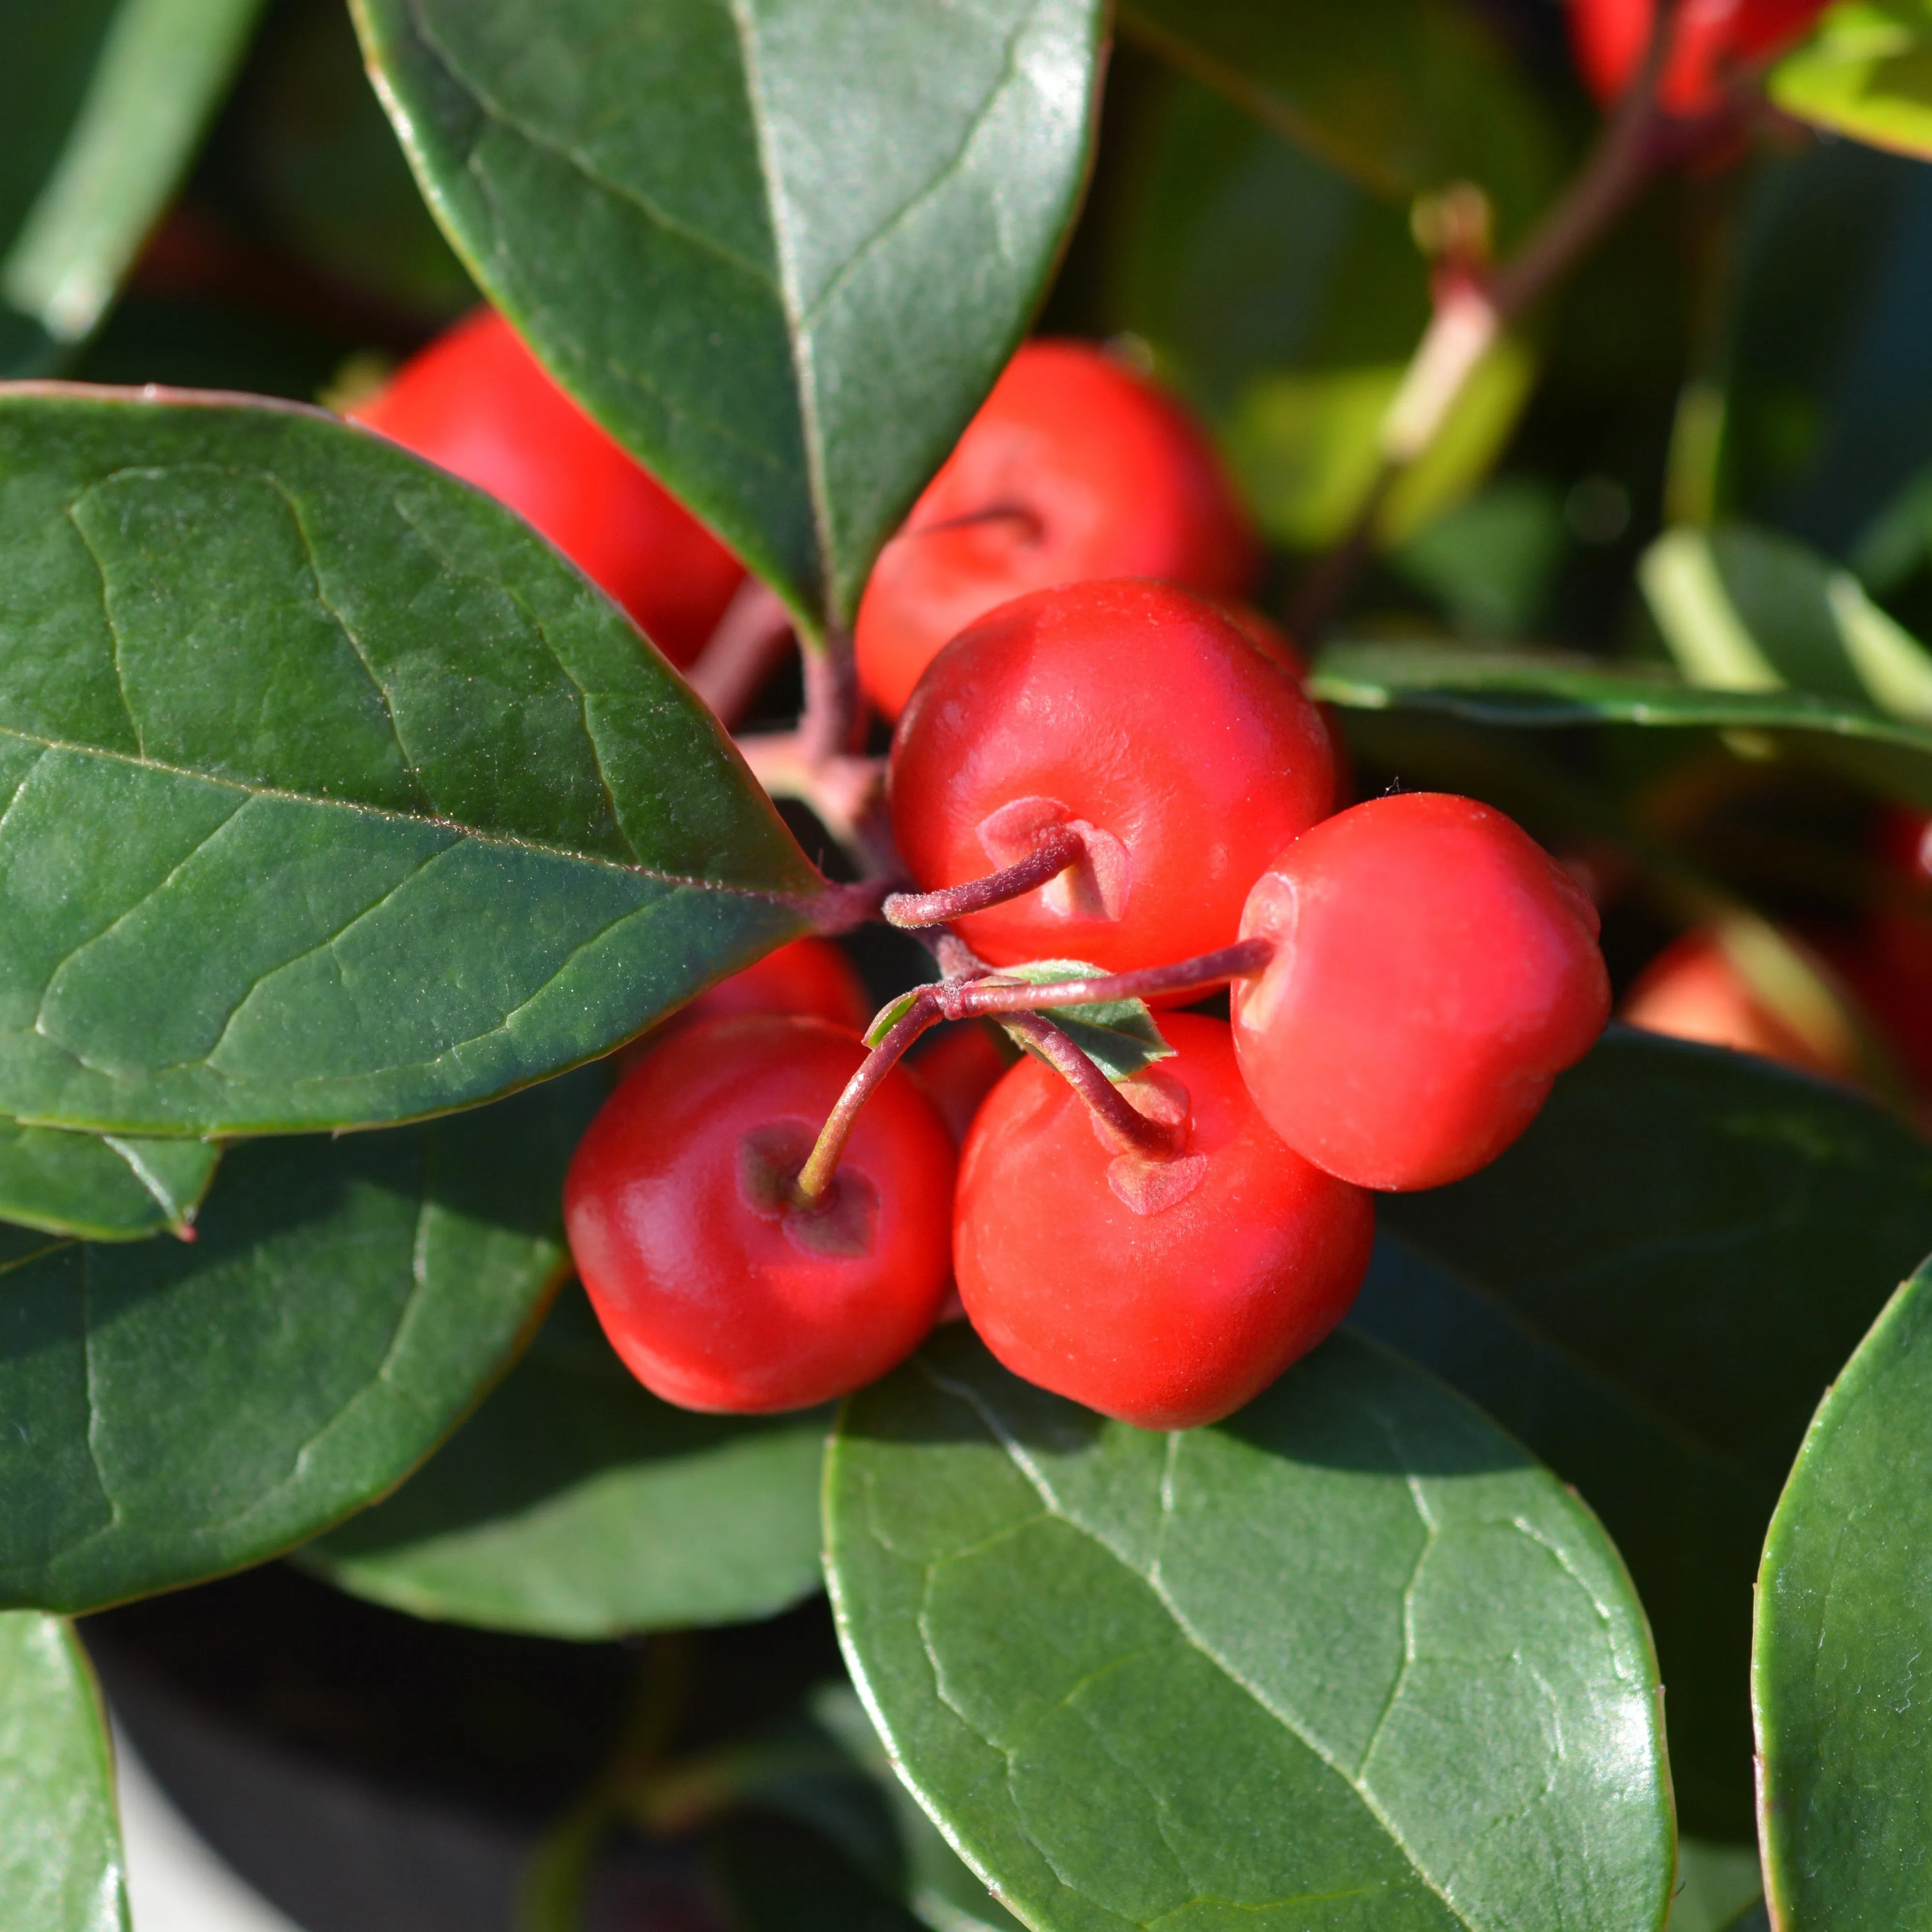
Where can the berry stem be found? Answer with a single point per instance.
(1055, 847)
(751, 636)
(815, 1177)
(984, 997)
(1129, 1130)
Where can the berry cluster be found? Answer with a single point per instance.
(1110, 796)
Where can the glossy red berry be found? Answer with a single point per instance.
(718, 1292)
(958, 1067)
(479, 404)
(1164, 1294)
(1142, 718)
(1712, 43)
(1435, 970)
(1075, 467)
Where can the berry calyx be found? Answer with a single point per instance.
(1435, 970)
(479, 404)
(1164, 1293)
(718, 1288)
(1075, 468)
(1139, 718)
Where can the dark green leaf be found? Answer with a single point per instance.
(100, 1187)
(1650, 1289)
(1844, 1621)
(100, 160)
(780, 252)
(60, 1842)
(329, 793)
(1349, 1656)
(1286, 303)
(1743, 609)
(176, 1411)
(1406, 95)
(1867, 72)
(574, 1504)
(778, 1875)
(1540, 689)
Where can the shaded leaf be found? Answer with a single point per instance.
(777, 1874)
(329, 793)
(100, 1187)
(60, 1841)
(575, 1504)
(1865, 71)
(1120, 1037)
(156, 70)
(1651, 1288)
(1528, 688)
(1351, 1650)
(1743, 609)
(176, 1411)
(1717, 1885)
(1844, 1620)
(1405, 95)
(781, 252)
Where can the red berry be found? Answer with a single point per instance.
(1435, 970)
(1164, 1294)
(478, 403)
(719, 1293)
(1075, 468)
(1140, 717)
(958, 1067)
(1711, 41)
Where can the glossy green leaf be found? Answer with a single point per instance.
(174, 1411)
(1744, 609)
(329, 794)
(1652, 1288)
(100, 1187)
(575, 1504)
(780, 251)
(1865, 71)
(1405, 95)
(1844, 1621)
(1350, 1656)
(158, 69)
(60, 1842)
(1285, 302)
(1528, 688)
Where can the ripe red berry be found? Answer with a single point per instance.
(1075, 467)
(718, 1292)
(1711, 41)
(1435, 970)
(1140, 717)
(958, 1067)
(1164, 1294)
(478, 403)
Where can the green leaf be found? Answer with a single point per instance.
(1405, 95)
(175, 1411)
(777, 1874)
(574, 1504)
(1348, 1656)
(1650, 1289)
(100, 1187)
(1866, 71)
(1286, 303)
(158, 69)
(1844, 1619)
(780, 251)
(1119, 1036)
(1743, 609)
(329, 793)
(1539, 689)
(60, 1841)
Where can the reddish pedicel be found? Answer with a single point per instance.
(1711, 39)
(1435, 970)
(718, 1293)
(1142, 718)
(479, 404)
(1075, 468)
(1166, 1318)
